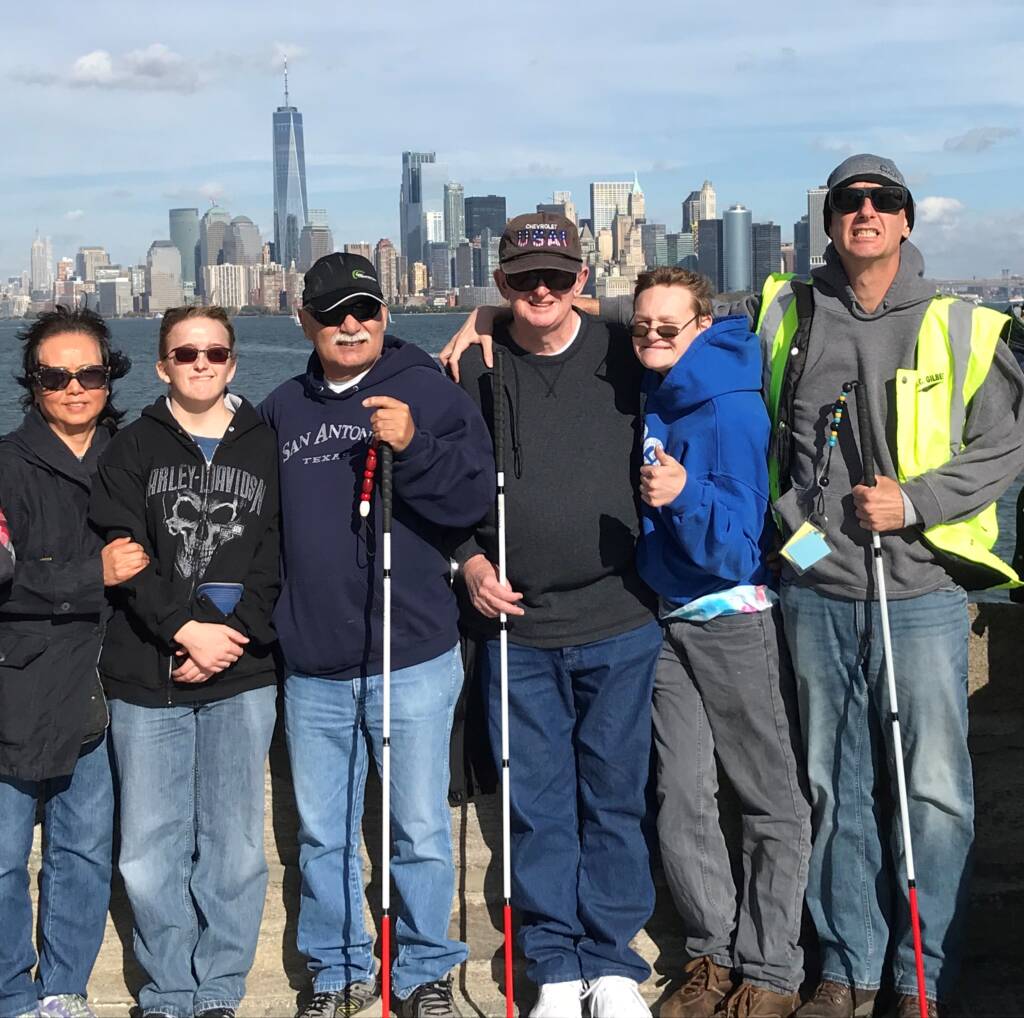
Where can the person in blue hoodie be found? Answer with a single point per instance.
(361, 384)
(724, 695)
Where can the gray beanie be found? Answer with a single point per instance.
(871, 168)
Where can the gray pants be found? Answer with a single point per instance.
(724, 688)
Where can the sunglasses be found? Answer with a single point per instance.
(556, 280)
(889, 198)
(641, 330)
(362, 310)
(94, 376)
(190, 354)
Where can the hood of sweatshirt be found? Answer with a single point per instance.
(726, 357)
(907, 289)
(396, 356)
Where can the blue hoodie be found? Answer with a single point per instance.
(328, 618)
(708, 413)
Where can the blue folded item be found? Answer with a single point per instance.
(223, 595)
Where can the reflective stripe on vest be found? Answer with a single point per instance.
(955, 347)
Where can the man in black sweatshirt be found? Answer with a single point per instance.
(583, 642)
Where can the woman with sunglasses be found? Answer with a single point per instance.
(188, 665)
(53, 716)
(724, 696)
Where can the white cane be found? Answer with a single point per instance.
(385, 820)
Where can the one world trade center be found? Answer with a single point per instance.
(290, 206)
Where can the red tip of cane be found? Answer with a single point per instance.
(385, 965)
(915, 927)
(509, 1008)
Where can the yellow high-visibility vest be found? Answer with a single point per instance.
(955, 347)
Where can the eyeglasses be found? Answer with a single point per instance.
(190, 354)
(362, 310)
(556, 280)
(641, 330)
(93, 376)
(889, 198)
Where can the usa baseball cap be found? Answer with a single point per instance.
(338, 278)
(540, 240)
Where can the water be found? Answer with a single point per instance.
(271, 349)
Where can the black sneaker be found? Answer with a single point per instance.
(356, 997)
(431, 1000)
(216, 1012)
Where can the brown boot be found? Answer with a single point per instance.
(908, 1007)
(750, 1001)
(837, 1000)
(706, 986)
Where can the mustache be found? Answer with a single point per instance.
(350, 337)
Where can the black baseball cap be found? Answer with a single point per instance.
(337, 278)
(540, 240)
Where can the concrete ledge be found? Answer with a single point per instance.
(993, 976)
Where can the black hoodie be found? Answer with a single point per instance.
(199, 524)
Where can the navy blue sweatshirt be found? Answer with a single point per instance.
(707, 412)
(328, 617)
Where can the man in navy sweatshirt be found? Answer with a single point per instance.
(359, 385)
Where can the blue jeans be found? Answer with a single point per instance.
(192, 788)
(856, 858)
(331, 726)
(75, 886)
(579, 747)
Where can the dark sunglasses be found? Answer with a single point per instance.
(556, 280)
(889, 198)
(94, 376)
(361, 310)
(190, 354)
(641, 330)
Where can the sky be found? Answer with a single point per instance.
(115, 112)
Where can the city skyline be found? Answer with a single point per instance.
(174, 118)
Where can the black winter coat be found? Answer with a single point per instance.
(51, 608)
(199, 523)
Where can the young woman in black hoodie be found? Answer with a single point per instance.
(188, 665)
(53, 719)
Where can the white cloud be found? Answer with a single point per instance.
(73, 214)
(289, 51)
(938, 210)
(213, 190)
(979, 138)
(155, 68)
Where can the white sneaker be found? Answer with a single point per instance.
(559, 1000)
(616, 997)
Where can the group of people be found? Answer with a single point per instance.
(689, 570)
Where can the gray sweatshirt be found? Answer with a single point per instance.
(846, 342)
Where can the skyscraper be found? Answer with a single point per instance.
(655, 245)
(41, 264)
(213, 230)
(433, 177)
(88, 260)
(608, 198)
(410, 203)
(385, 260)
(454, 214)
(637, 203)
(561, 204)
(184, 227)
(315, 241)
(485, 212)
(439, 265)
(802, 247)
(242, 243)
(709, 248)
(738, 253)
(817, 237)
(290, 205)
(163, 276)
(691, 212)
(767, 245)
